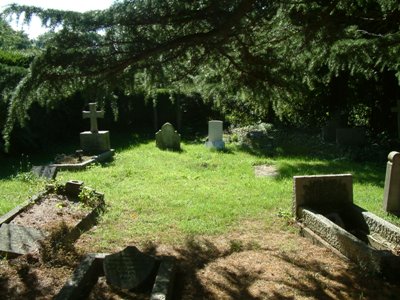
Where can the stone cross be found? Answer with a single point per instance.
(397, 110)
(92, 114)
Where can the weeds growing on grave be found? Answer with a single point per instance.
(57, 249)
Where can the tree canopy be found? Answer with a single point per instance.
(254, 54)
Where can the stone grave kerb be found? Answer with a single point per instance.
(93, 114)
(391, 192)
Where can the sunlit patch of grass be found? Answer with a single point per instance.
(154, 195)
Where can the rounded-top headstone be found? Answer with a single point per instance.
(129, 268)
(168, 138)
(394, 156)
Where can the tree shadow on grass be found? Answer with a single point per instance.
(358, 284)
(363, 173)
(305, 276)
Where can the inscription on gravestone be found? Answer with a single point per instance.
(129, 268)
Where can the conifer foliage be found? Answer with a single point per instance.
(285, 55)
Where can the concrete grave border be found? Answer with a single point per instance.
(88, 221)
(90, 269)
(382, 235)
(95, 158)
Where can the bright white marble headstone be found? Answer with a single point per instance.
(215, 132)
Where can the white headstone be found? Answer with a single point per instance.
(215, 132)
(94, 141)
(92, 114)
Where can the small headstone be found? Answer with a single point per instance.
(350, 136)
(215, 133)
(129, 268)
(391, 192)
(48, 172)
(168, 138)
(19, 239)
(319, 191)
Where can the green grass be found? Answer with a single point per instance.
(15, 190)
(155, 195)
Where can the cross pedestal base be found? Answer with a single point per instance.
(95, 143)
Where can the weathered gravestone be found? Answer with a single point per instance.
(323, 206)
(18, 239)
(129, 269)
(391, 192)
(322, 191)
(215, 133)
(48, 172)
(94, 141)
(168, 138)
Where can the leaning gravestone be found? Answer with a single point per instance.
(48, 172)
(129, 268)
(391, 192)
(168, 138)
(94, 141)
(215, 132)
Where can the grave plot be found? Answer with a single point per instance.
(95, 147)
(323, 206)
(80, 160)
(127, 274)
(24, 228)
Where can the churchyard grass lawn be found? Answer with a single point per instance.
(163, 196)
(154, 194)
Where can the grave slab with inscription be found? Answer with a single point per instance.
(129, 268)
(155, 282)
